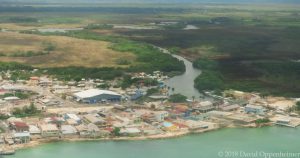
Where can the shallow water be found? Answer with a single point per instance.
(206, 145)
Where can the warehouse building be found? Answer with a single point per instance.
(92, 96)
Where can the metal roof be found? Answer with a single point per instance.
(94, 92)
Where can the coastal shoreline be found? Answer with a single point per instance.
(169, 135)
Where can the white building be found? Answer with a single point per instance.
(68, 130)
(161, 115)
(92, 96)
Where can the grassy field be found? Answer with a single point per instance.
(68, 51)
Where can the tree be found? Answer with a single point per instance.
(152, 91)
(261, 121)
(177, 98)
(26, 111)
(209, 80)
(17, 112)
(116, 131)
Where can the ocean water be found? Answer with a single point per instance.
(240, 142)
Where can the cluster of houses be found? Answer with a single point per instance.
(149, 118)
(97, 124)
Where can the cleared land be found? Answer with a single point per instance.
(67, 52)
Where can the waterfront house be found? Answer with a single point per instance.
(34, 130)
(200, 125)
(93, 130)
(161, 115)
(130, 131)
(195, 125)
(49, 130)
(19, 126)
(259, 110)
(68, 130)
(283, 121)
(82, 130)
(204, 106)
(21, 137)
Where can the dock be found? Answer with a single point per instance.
(7, 152)
(287, 121)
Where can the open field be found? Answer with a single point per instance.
(255, 47)
(68, 51)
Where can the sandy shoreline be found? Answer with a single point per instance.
(38, 142)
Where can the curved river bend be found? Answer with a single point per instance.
(183, 84)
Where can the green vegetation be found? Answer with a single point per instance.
(209, 80)
(104, 86)
(177, 98)
(26, 111)
(298, 106)
(129, 81)
(152, 91)
(77, 73)
(262, 121)
(269, 77)
(3, 116)
(174, 50)
(22, 72)
(22, 20)
(149, 58)
(4, 66)
(26, 54)
(21, 95)
(123, 62)
(49, 47)
(116, 131)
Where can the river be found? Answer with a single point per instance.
(183, 84)
(208, 145)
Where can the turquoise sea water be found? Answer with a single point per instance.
(222, 143)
